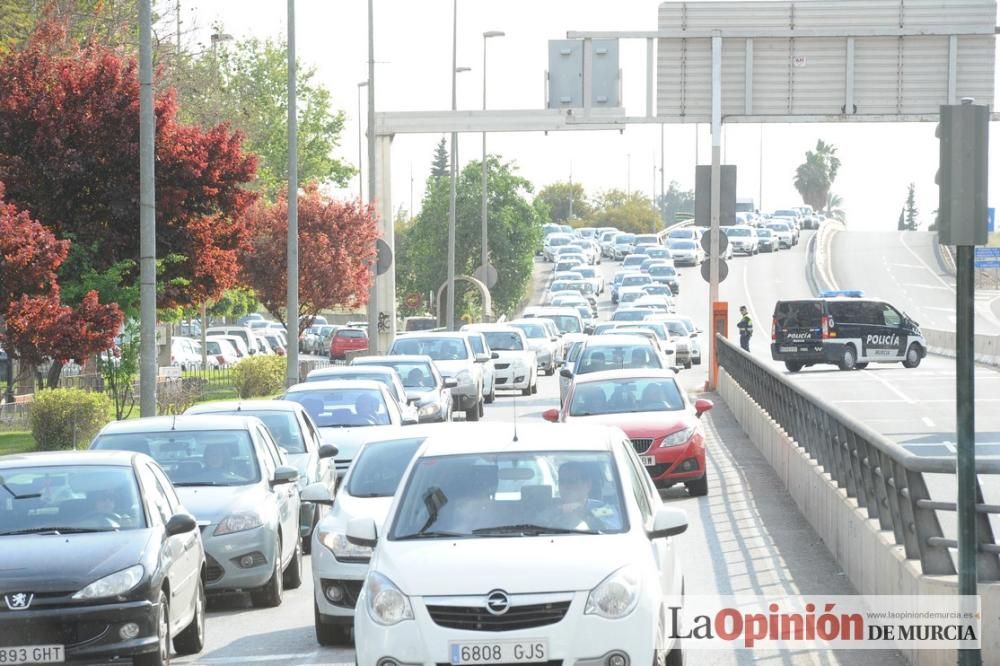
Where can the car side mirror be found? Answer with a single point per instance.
(361, 532)
(494, 356)
(554, 338)
(180, 523)
(317, 493)
(551, 415)
(667, 522)
(567, 373)
(284, 474)
(409, 419)
(701, 406)
(450, 382)
(328, 451)
(482, 358)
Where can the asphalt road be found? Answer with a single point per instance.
(745, 538)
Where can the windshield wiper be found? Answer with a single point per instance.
(368, 495)
(530, 529)
(58, 530)
(432, 534)
(188, 484)
(19, 497)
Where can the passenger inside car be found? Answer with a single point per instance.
(578, 506)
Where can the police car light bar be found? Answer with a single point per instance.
(852, 293)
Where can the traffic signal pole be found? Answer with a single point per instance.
(713, 284)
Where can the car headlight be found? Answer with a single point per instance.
(114, 585)
(238, 522)
(344, 550)
(678, 437)
(464, 377)
(616, 596)
(429, 409)
(387, 605)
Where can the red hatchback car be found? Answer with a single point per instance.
(654, 412)
(345, 340)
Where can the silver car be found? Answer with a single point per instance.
(296, 434)
(454, 357)
(387, 376)
(543, 342)
(231, 475)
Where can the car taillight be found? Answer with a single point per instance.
(825, 327)
(774, 329)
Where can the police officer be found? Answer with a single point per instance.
(745, 326)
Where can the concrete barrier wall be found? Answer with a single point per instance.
(943, 342)
(868, 555)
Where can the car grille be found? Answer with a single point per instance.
(51, 632)
(657, 470)
(213, 570)
(642, 445)
(502, 366)
(477, 618)
(553, 662)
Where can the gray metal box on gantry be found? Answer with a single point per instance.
(703, 195)
(565, 75)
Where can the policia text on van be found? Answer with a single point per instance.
(848, 332)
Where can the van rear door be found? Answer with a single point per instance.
(798, 325)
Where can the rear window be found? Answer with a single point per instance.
(351, 333)
(798, 314)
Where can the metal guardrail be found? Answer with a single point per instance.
(884, 479)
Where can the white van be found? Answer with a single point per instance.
(245, 333)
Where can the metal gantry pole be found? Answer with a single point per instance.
(374, 338)
(147, 218)
(713, 283)
(361, 157)
(484, 260)
(450, 308)
(292, 310)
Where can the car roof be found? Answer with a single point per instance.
(552, 310)
(484, 328)
(75, 458)
(245, 405)
(344, 384)
(616, 340)
(394, 358)
(183, 423)
(507, 437)
(626, 373)
(351, 370)
(448, 335)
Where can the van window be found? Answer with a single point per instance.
(799, 314)
(891, 316)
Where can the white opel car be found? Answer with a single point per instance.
(526, 545)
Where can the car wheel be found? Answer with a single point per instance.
(492, 395)
(534, 386)
(676, 656)
(861, 366)
(687, 365)
(482, 410)
(698, 487)
(307, 539)
(473, 413)
(293, 574)
(793, 366)
(912, 359)
(162, 656)
(269, 596)
(192, 639)
(848, 358)
(330, 634)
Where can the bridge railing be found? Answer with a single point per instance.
(886, 480)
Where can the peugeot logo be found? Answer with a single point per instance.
(20, 600)
(497, 602)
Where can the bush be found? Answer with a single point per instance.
(67, 418)
(260, 376)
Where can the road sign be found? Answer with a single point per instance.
(491, 276)
(706, 269)
(706, 242)
(987, 253)
(991, 219)
(992, 263)
(413, 300)
(384, 260)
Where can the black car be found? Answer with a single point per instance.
(100, 561)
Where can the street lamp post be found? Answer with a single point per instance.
(485, 259)
(361, 135)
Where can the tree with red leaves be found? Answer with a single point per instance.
(336, 251)
(37, 325)
(69, 147)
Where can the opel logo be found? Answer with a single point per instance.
(497, 602)
(20, 600)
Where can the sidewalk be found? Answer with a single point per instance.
(748, 538)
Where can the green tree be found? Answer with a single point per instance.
(442, 160)
(815, 176)
(234, 303)
(245, 83)
(901, 224)
(911, 208)
(566, 202)
(834, 203)
(515, 228)
(675, 201)
(632, 212)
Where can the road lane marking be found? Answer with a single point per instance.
(905, 265)
(926, 286)
(888, 385)
(927, 421)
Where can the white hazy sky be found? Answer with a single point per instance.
(413, 49)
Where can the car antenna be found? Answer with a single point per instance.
(173, 423)
(515, 419)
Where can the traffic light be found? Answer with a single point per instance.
(963, 133)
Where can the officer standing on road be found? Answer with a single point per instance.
(745, 326)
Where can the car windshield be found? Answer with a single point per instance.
(415, 374)
(194, 457)
(381, 377)
(778, 226)
(504, 341)
(532, 330)
(69, 499)
(657, 290)
(662, 271)
(439, 349)
(343, 407)
(283, 425)
(523, 493)
(635, 280)
(764, 232)
(380, 465)
(656, 327)
(566, 323)
(737, 232)
(629, 315)
(683, 245)
(616, 357)
(588, 272)
(619, 396)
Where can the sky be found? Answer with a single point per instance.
(413, 52)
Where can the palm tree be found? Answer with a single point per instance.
(815, 176)
(833, 206)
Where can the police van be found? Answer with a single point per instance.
(844, 329)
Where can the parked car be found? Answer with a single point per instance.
(101, 561)
(654, 412)
(296, 435)
(455, 358)
(243, 332)
(520, 506)
(426, 389)
(185, 353)
(227, 471)
(222, 350)
(347, 339)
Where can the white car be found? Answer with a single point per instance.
(553, 241)
(542, 341)
(694, 335)
(339, 567)
(479, 560)
(516, 363)
(742, 239)
(686, 252)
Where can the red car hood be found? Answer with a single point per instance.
(643, 424)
